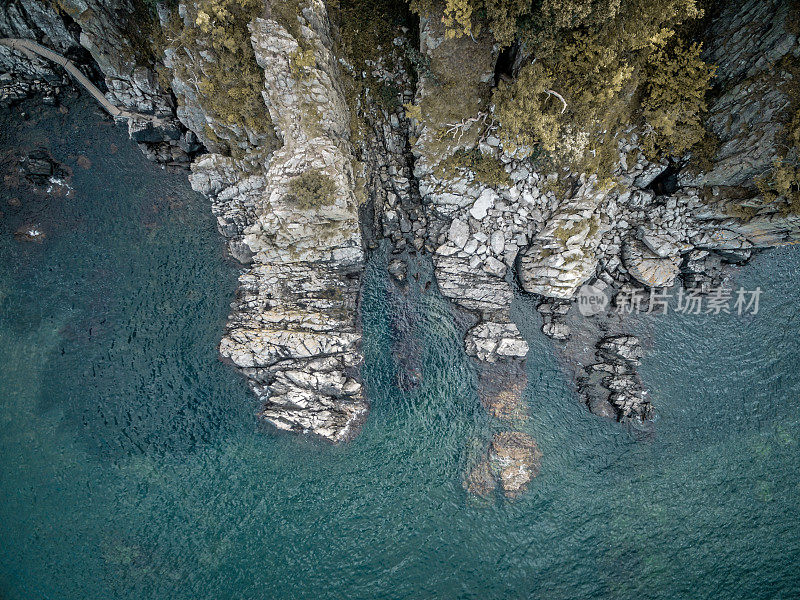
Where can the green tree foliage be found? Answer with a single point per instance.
(485, 169)
(230, 81)
(572, 14)
(677, 82)
(467, 17)
(529, 115)
(614, 63)
(589, 68)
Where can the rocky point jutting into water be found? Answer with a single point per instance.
(317, 149)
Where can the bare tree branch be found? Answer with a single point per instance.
(560, 97)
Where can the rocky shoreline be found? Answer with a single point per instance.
(522, 229)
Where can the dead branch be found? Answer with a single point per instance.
(560, 97)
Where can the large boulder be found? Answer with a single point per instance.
(648, 268)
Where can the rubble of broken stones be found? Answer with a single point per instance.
(625, 238)
(14, 90)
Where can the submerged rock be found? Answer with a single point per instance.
(480, 480)
(29, 233)
(511, 462)
(515, 459)
(39, 167)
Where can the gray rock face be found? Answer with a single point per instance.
(293, 329)
(648, 267)
(28, 19)
(97, 35)
(565, 253)
(189, 66)
(746, 41)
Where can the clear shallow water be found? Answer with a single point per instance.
(131, 467)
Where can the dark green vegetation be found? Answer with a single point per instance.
(484, 168)
(588, 69)
(366, 33)
(312, 189)
(470, 17)
(229, 83)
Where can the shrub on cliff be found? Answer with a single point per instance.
(483, 168)
(623, 64)
(228, 80)
(467, 17)
(312, 189)
(674, 98)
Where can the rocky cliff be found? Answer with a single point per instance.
(341, 152)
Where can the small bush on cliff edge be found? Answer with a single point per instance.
(468, 17)
(312, 189)
(484, 168)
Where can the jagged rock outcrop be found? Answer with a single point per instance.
(752, 44)
(192, 64)
(564, 254)
(746, 41)
(647, 267)
(660, 222)
(293, 328)
(611, 387)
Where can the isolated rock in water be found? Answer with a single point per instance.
(621, 348)
(511, 462)
(516, 460)
(38, 167)
(556, 330)
(480, 480)
(29, 233)
(612, 388)
(398, 269)
(649, 268)
(492, 341)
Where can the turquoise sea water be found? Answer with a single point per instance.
(131, 465)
